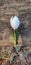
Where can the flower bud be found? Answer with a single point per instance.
(14, 22)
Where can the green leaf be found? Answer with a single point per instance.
(17, 35)
(14, 39)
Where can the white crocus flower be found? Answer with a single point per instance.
(14, 22)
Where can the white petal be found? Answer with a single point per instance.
(14, 21)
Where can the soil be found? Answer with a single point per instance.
(10, 56)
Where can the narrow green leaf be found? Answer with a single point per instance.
(14, 39)
(17, 34)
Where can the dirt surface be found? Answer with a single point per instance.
(10, 56)
(22, 9)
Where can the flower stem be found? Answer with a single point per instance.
(14, 39)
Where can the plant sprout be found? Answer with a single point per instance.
(14, 22)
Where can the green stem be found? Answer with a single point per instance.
(14, 39)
